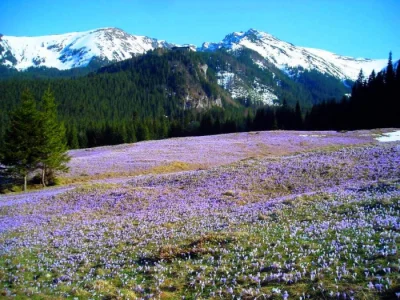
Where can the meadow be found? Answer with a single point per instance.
(262, 215)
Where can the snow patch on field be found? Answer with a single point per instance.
(312, 135)
(390, 137)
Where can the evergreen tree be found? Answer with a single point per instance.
(397, 90)
(21, 149)
(371, 77)
(270, 119)
(298, 117)
(73, 141)
(143, 133)
(53, 146)
(398, 73)
(390, 73)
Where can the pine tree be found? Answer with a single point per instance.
(398, 72)
(360, 82)
(20, 153)
(73, 137)
(397, 91)
(143, 133)
(53, 146)
(371, 77)
(390, 74)
(389, 95)
(298, 117)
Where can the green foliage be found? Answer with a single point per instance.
(35, 139)
(52, 139)
(20, 152)
(322, 86)
(280, 117)
(108, 107)
(118, 102)
(373, 104)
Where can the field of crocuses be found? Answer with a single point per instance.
(321, 224)
(203, 152)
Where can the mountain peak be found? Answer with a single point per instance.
(75, 49)
(256, 32)
(294, 59)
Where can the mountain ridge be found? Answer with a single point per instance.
(292, 59)
(75, 49)
(109, 44)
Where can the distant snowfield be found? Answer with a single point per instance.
(390, 137)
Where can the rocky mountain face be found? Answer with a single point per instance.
(178, 75)
(253, 79)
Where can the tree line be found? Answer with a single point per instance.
(374, 103)
(143, 97)
(36, 138)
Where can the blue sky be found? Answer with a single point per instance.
(360, 28)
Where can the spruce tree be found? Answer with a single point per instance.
(298, 117)
(398, 72)
(53, 146)
(397, 91)
(390, 72)
(143, 133)
(73, 141)
(389, 96)
(21, 148)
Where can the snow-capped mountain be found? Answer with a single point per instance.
(76, 49)
(292, 59)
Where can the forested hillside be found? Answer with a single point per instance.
(161, 94)
(139, 99)
(178, 93)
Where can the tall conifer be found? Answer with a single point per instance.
(398, 72)
(390, 74)
(298, 117)
(53, 144)
(21, 153)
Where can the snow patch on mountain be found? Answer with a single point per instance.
(262, 93)
(260, 64)
(287, 56)
(225, 79)
(258, 92)
(76, 49)
(348, 65)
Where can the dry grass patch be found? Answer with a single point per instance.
(173, 167)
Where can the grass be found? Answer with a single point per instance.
(172, 167)
(262, 259)
(214, 234)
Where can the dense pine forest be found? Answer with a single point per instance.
(168, 94)
(374, 103)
